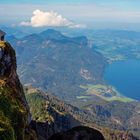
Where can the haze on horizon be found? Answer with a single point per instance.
(73, 14)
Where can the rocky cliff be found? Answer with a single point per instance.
(14, 110)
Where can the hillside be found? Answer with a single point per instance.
(124, 115)
(50, 107)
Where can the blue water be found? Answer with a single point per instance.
(125, 76)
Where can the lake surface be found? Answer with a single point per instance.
(125, 76)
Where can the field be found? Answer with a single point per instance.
(105, 92)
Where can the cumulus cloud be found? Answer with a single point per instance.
(41, 18)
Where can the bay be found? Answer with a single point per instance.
(125, 77)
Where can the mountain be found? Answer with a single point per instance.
(61, 64)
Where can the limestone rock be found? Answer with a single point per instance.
(14, 110)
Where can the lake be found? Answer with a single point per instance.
(125, 76)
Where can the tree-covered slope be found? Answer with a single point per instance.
(60, 116)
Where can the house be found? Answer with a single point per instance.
(2, 35)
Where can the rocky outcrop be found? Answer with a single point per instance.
(79, 133)
(14, 110)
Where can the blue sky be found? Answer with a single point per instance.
(86, 12)
(122, 3)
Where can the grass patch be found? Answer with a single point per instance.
(108, 93)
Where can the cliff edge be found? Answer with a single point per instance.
(14, 110)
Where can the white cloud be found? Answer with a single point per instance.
(41, 18)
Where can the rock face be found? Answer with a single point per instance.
(14, 111)
(79, 133)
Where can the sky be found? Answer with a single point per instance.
(72, 13)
